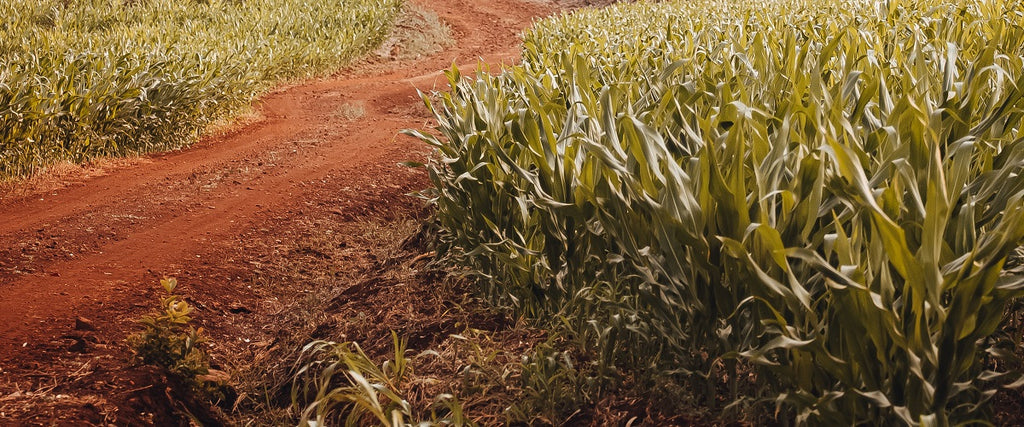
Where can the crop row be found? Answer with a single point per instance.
(814, 202)
(112, 77)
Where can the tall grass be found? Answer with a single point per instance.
(824, 192)
(89, 78)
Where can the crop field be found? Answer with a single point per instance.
(808, 207)
(80, 79)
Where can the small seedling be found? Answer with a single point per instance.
(168, 340)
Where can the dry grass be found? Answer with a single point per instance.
(60, 175)
(350, 111)
(418, 33)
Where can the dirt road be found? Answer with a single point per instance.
(95, 248)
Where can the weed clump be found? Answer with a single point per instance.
(338, 380)
(168, 341)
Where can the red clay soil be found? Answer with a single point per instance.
(96, 248)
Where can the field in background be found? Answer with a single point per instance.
(798, 208)
(110, 77)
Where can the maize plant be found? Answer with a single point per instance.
(111, 77)
(825, 192)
